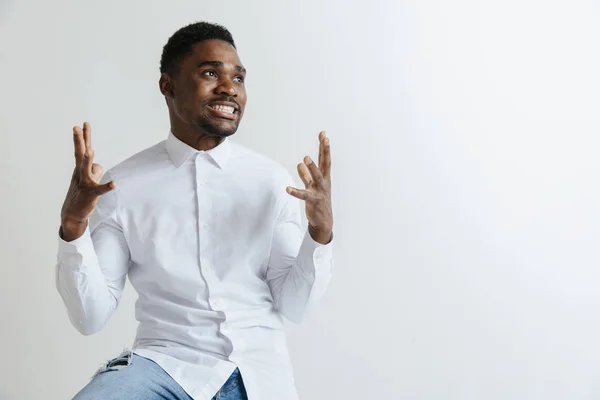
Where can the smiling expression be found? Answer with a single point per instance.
(208, 91)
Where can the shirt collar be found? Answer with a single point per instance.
(181, 152)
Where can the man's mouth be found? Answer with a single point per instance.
(226, 111)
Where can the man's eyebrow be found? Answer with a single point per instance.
(219, 64)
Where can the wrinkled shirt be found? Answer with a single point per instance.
(215, 249)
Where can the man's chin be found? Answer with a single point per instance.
(221, 131)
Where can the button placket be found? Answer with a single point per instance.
(202, 204)
(205, 256)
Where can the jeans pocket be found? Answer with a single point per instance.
(117, 363)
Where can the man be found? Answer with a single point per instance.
(208, 237)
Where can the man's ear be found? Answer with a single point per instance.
(165, 83)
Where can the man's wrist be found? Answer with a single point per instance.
(72, 229)
(321, 236)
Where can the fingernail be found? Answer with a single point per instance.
(308, 161)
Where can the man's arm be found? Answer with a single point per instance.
(93, 256)
(300, 268)
(298, 278)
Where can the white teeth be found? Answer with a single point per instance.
(227, 109)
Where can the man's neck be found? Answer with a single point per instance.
(196, 139)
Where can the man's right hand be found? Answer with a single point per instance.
(84, 190)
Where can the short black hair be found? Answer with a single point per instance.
(182, 42)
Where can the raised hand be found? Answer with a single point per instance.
(84, 189)
(317, 192)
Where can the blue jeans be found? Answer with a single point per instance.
(138, 378)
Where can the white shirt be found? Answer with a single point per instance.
(214, 247)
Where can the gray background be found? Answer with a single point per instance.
(465, 150)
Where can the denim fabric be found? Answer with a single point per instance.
(132, 377)
(233, 389)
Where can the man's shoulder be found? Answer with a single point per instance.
(142, 162)
(247, 155)
(259, 164)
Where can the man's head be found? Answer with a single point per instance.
(202, 79)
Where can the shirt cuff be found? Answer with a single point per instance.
(81, 245)
(320, 254)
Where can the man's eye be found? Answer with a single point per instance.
(239, 79)
(210, 73)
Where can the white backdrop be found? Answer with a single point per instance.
(466, 182)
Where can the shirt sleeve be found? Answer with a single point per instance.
(91, 270)
(299, 269)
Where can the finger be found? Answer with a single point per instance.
(88, 161)
(321, 140)
(315, 173)
(96, 172)
(87, 135)
(79, 145)
(304, 175)
(324, 156)
(103, 189)
(299, 193)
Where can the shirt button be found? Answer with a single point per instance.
(207, 268)
(205, 227)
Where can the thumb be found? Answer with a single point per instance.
(102, 189)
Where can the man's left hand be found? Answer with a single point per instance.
(317, 192)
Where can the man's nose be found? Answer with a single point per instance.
(226, 88)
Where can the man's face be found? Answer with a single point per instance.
(208, 92)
